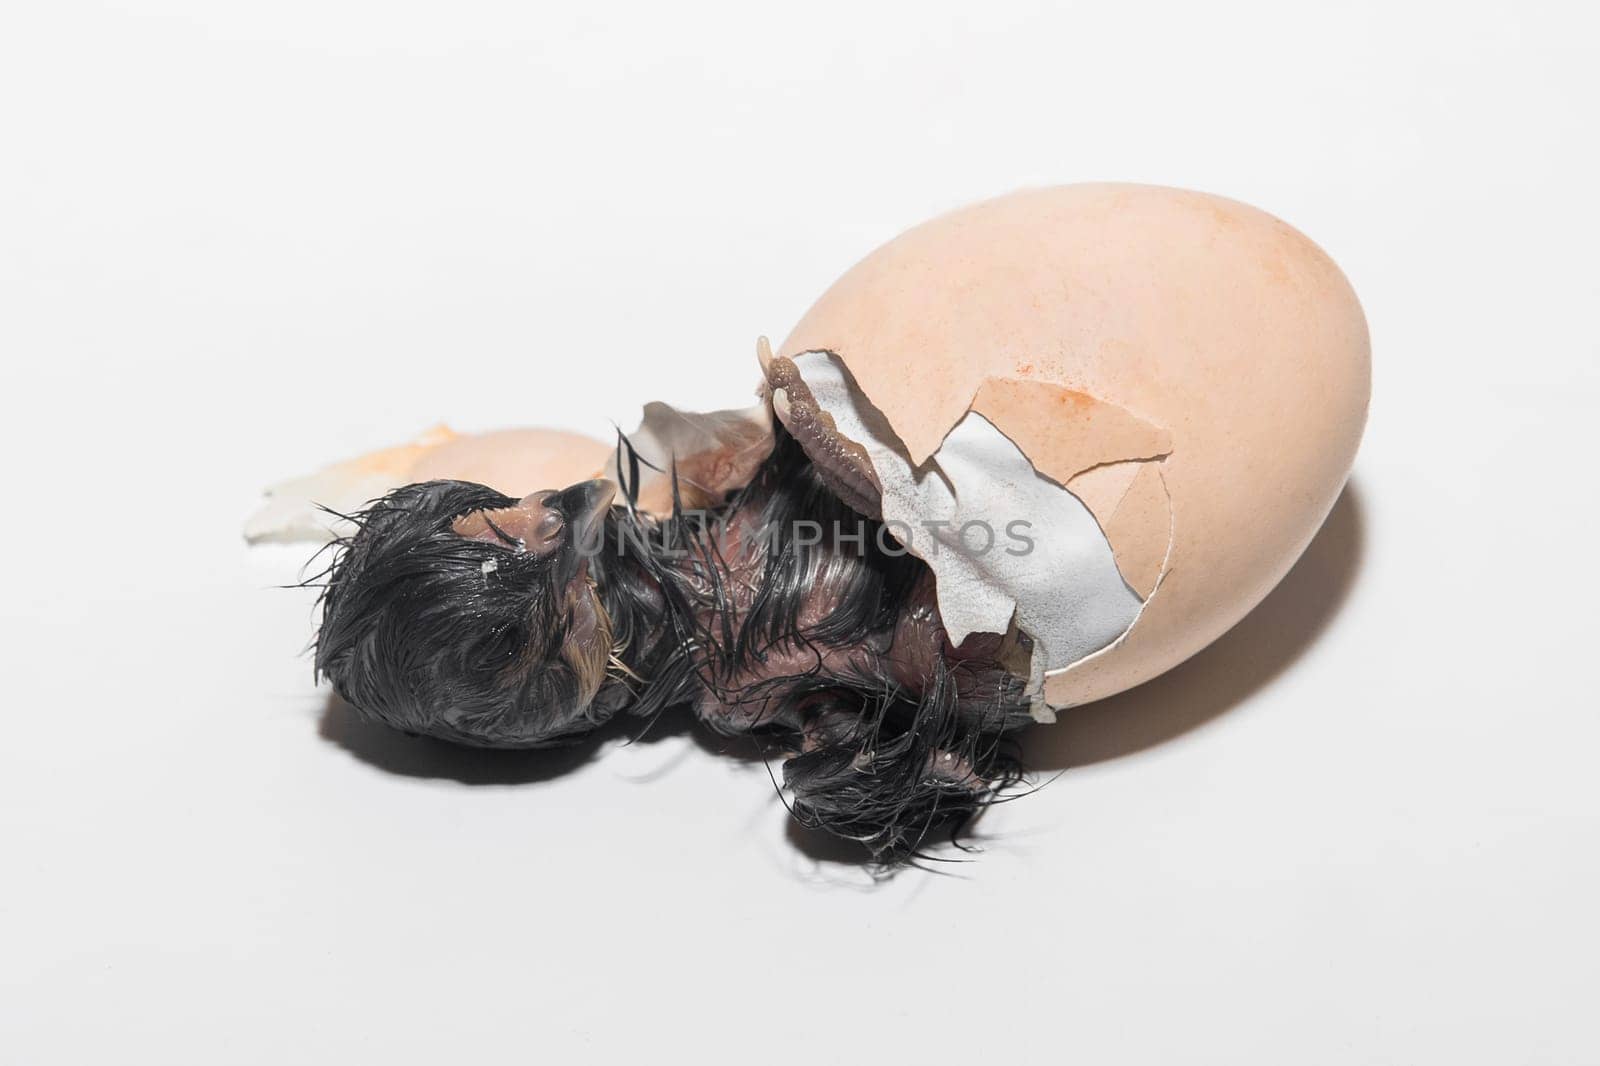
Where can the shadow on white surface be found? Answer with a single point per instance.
(1228, 673)
(411, 756)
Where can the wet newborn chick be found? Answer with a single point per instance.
(460, 613)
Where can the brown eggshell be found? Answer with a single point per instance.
(1227, 339)
(514, 461)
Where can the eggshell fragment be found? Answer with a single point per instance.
(514, 461)
(708, 453)
(1065, 431)
(1214, 323)
(1129, 500)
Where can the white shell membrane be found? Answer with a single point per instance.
(1002, 539)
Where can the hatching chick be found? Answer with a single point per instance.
(461, 613)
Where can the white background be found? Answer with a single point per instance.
(237, 241)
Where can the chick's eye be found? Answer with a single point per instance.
(548, 527)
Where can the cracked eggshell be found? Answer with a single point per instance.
(513, 461)
(1234, 348)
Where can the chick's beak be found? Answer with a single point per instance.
(583, 506)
